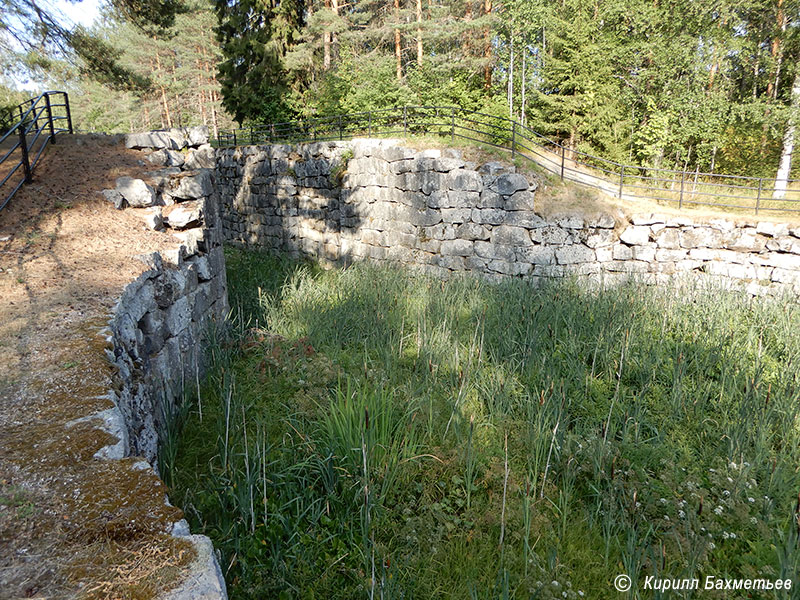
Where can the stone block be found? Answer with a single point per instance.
(746, 240)
(669, 238)
(495, 251)
(184, 215)
(670, 255)
(453, 263)
(456, 248)
(472, 231)
(463, 199)
(510, 236)
(537, 255)
(570, 222)
(463, 180)
(488, 216)
(490, 199)
(507, 184)
(136, 192)
(772, 229)
(702, 237)
(178, 316)
(575, 253)
(635, 234)
(622, 252)
(521, 200)
(599, 238)
(550, 235)
(513, 269)
(192, 186)
(524, 218)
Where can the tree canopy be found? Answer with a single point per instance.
(690, 84)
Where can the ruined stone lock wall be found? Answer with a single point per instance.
(378, 200)
(159, 329)
(163, 321)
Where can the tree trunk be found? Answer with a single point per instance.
(785, 167)
(326, 43)
(397, 49)
(511, 79)
(419, 33)
(214, 121)
(200, 93)
(163, 93)
(776, 51)
(335, 7)
(487, 48)
(522, 109)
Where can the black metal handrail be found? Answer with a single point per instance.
(48, 113)
(631, 182)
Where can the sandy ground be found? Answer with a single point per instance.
(66, 523)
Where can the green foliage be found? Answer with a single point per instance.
(254, 40)
(649, 432)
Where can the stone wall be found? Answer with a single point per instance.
(377, 200)
(160, 326)
(163, 318)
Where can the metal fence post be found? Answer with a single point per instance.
(34, 114)
(405, 120)
(23, 144)
(452, 125)
(341, 133)
(69, 112)
(50, 119)
(683, 179)
(562, 163)
(758, 198)
(369, 131)
(621, 179)
(234, 137)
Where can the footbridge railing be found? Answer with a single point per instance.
(29, 127)
(631, 182)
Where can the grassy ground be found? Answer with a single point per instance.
(375, 433)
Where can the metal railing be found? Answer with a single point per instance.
(630, 182)
(22, 145)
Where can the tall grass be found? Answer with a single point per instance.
(373, 433)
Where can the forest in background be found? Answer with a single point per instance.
(695, 85)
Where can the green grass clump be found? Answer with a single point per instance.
(372, 432)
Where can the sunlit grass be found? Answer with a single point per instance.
(372, 432)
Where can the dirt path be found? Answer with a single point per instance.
(67, 526)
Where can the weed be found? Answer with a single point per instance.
(373, 431)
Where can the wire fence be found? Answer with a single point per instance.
(29, 127)
(734, 193)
